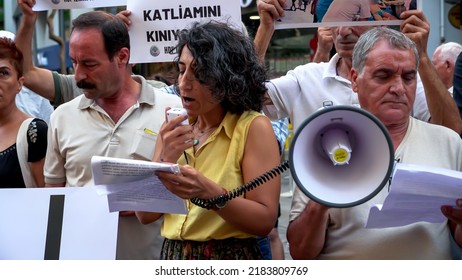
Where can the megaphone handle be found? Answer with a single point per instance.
(269, 175)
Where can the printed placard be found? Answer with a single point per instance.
(155, 24)
(305, 13)
(44, 5)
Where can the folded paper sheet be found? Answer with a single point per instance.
(416, 195)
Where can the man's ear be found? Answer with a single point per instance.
(124, 56)
(449, 66)
(354, 77)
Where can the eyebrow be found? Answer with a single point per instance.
(390, 71)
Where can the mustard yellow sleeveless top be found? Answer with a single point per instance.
(219, 159)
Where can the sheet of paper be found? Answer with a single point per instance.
(130, 185)
(298, 15)
(155, 24)
(416, 195)
(109, 170)
(45, 5)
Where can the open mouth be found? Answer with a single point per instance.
(187, 99)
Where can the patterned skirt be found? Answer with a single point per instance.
(226, 249)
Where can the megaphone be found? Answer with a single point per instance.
(341, 156)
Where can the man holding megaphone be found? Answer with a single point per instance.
(302, 92)
(384, 75)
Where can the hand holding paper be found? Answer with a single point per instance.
(131, 185)
(416, 195)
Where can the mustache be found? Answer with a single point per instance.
(85, 85)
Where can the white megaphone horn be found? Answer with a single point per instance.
(341, 156)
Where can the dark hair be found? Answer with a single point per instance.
(8, 50)
(114, 31)
(226, 61)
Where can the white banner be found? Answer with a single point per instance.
(153, 32)
(69, 223)
(44, 5)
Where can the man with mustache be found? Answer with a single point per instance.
(309, 87)
(118, 114)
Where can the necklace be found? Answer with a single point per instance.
(205, 131)
(200, 133)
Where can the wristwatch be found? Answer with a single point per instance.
(222, 200)
(221, 204)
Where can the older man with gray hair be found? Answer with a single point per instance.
(384, 75)
(444, 58)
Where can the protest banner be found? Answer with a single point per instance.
(154, 28)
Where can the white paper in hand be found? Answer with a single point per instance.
(416, 195)
(131, 185)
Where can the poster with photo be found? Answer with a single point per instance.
(315, 13)
(45, 5)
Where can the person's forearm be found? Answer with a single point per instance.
(321, 55)
(39, 80)
(307, 233)
(242, 213)
(325, 43)
(262, 40)
(23, 40)
(443, 110)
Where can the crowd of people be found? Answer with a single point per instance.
(104, 109)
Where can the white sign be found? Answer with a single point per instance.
(155, 24)
(44, 5)
(72, 223)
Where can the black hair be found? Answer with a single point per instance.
(113, 30)
(225, 60)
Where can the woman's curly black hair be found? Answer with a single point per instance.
(226, 61)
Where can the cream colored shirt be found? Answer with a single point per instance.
(80, 129)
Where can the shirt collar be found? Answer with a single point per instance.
(331, 70)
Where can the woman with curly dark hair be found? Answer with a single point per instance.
(226, 144)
